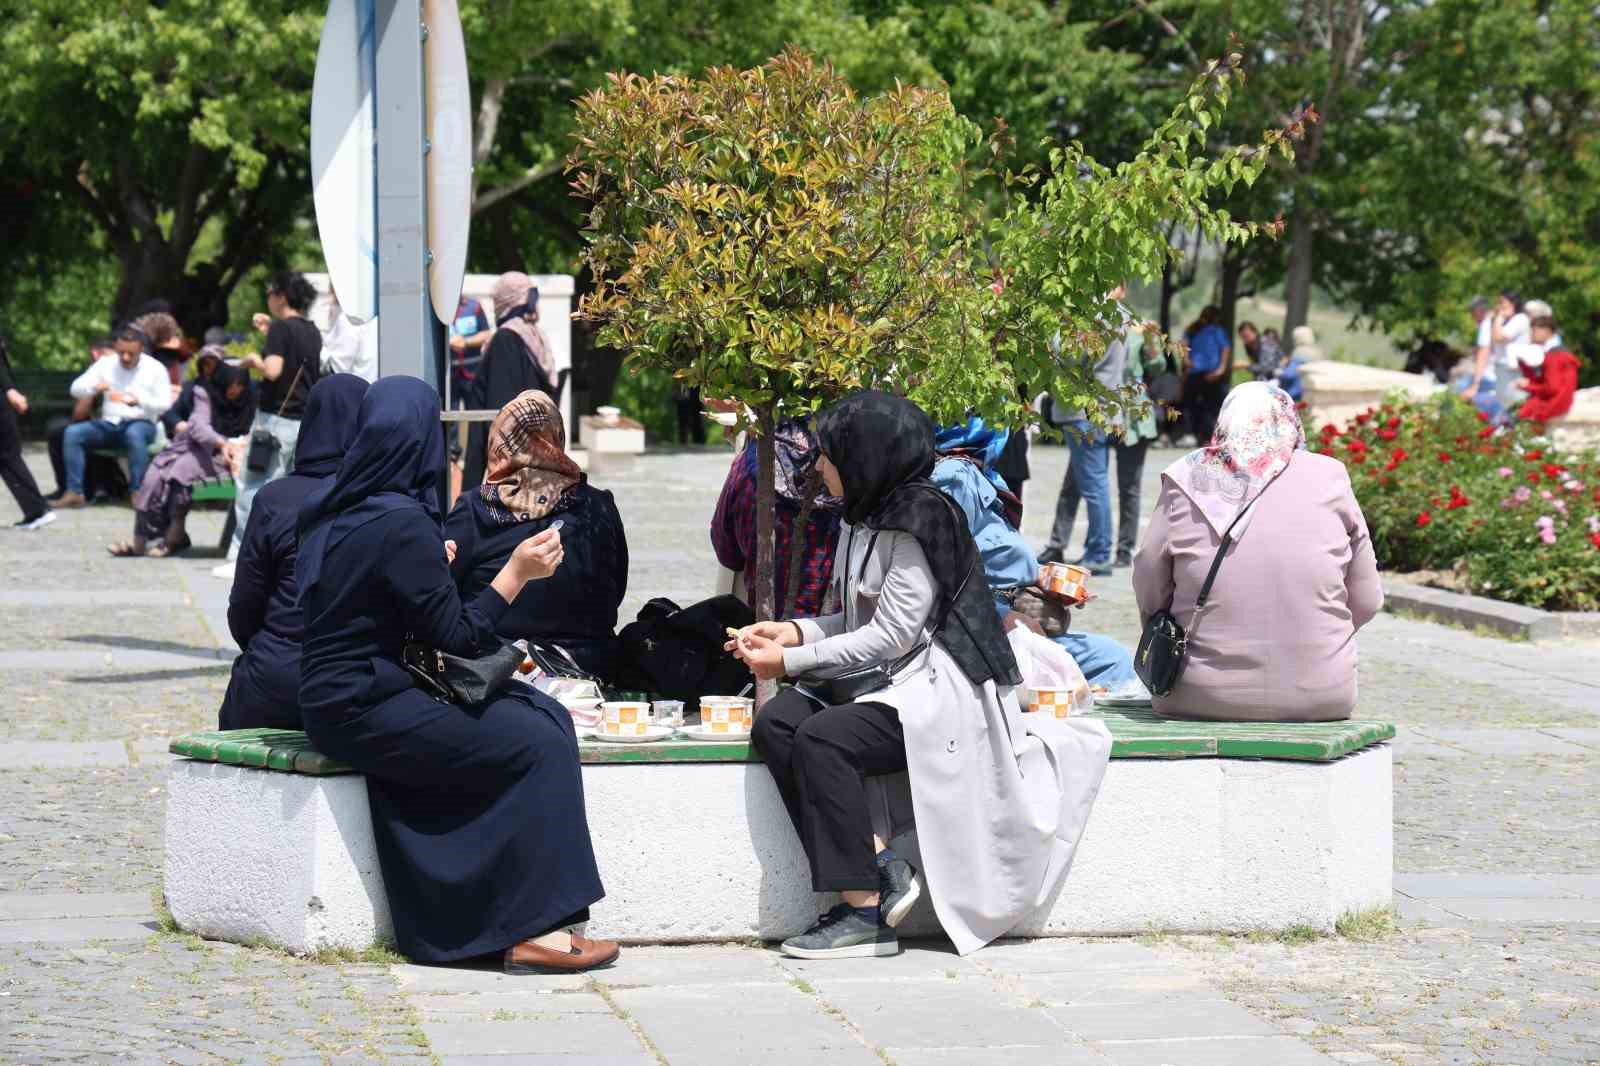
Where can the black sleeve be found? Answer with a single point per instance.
(502, 370)
(279, 338)
(254, 577)
(615, 562)
(462, 528)
(432, 609)
(179, 412)
(7, 380)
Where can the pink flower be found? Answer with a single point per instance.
(1523, 494)
(1594, 523)
(1560, 505)
(1505, 471)
(1546, 494)
(1573, 486)
(1547, 535)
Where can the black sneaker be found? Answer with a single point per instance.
(35, 523)
(899, 888)
(1051, 555)
(842, 934)
(1124, 561)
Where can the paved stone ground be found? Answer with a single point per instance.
(1497, 859)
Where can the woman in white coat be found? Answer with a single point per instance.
(998, 798)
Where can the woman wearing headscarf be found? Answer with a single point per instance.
(205, 364)
(477, 810)
(733, 523)
(264, 603)
(516, 360)
(1277, 638)
(532, 483)
(999, 798)
(222, 407)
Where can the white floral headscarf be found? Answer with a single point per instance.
(1257, 431)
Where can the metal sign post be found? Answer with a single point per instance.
(391, 159)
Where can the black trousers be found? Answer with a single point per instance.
(821, 757)
(1202, 402)
(1130, 475)
(15, 473)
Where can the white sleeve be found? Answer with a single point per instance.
(1516, 329)
(1486, 333)
(84, 383)
(152, 388)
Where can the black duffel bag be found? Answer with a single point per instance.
(677, 652)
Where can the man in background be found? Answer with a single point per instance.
(102, 477)
(133, 391)
(36, 514)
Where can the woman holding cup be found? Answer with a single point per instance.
(939, 729)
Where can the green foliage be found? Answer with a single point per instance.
(1515, 517)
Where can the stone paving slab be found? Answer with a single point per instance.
(74, 930)
(960, 1012)
(1250, 1051)
(15, 906)
(1490, 743)
(56, 754)
(548, 1037)
(1000, 1054)
(713, 1027)
(1182, 1017)
(1498, 886)
(1521, 911)
(93, 598)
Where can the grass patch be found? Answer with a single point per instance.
(1374, 923)
(380, 954)
(1291, 935)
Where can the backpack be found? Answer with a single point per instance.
(676, 652)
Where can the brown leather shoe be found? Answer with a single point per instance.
(70, 500)
(586, 954)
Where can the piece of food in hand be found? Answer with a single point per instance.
(733, 634)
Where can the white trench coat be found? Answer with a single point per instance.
(999, 798)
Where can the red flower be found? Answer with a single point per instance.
(1399, 455)
(1458, 499)
(1393, 423)
(1533, 477)
(1434, 500)
(1534, 456)
(1330, 430)
(1424, 518)
(1302, 406)
(1358, 458)
(1324, 451)
(1387, 434)
(1364, 417)
(1356, 444)
(1444, 457)
(1482, 417)
(1463, 441)
(1553, 471)
(1594, 538)
(1485, 432)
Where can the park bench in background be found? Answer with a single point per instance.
(1199, 827)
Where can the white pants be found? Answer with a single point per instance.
(286, 431)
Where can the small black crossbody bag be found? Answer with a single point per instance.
(1164, 644)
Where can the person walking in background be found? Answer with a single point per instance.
(1088, 471)
(1277, 639)
(290, 363)
(102, 477)
(691, 420)
(222, 406)
(36, 514)
(469, 332)
(264, 603)
(1129, 440)
(134, 391)
(1304, 350)
(1206, 372)
(517, 359)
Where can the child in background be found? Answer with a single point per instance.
(1549, 372)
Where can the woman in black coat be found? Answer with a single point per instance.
(517, 359)
(477, 811)
(264, 604)
(533, 484)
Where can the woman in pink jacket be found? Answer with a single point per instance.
(1277, 639)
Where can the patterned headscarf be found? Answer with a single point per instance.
(530, 473)
(516, 309)
(1258, 430)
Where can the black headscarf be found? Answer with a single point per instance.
(394, 463)
(328, 426)
(882, 446)
(231, 418)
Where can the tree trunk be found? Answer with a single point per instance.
(766, 515)
(1297, 285)
(1228, 290)
(1168, 291)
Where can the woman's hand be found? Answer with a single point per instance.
(763, 656)
(261, 321)
(179, 428)
(538, 557)
(783, 634)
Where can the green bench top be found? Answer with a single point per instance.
(1136, 734)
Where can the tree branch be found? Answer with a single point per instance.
(489, 104)
(1169, 29)
(185, 213)
(533, 174)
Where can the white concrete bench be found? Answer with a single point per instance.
(1198, 827)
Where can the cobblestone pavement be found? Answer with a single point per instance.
(1497, 872)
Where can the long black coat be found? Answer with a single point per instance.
(507, 371)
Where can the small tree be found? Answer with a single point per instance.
(769, 236)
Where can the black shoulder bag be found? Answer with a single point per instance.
(458, 679)
(1164, 645)
(263, 445)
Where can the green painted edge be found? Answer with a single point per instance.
(1162, 747)
(592, 754)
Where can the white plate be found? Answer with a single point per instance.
(655, 733)
(695, 732)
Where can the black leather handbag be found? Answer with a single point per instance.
(263, 445)
(1164, 644)
(456, 679)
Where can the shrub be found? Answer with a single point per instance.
(1443, 489)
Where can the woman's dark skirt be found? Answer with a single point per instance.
(478, 814)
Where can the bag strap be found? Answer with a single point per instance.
(284, 406)
(1227, 540)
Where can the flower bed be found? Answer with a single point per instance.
(1442, 489)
